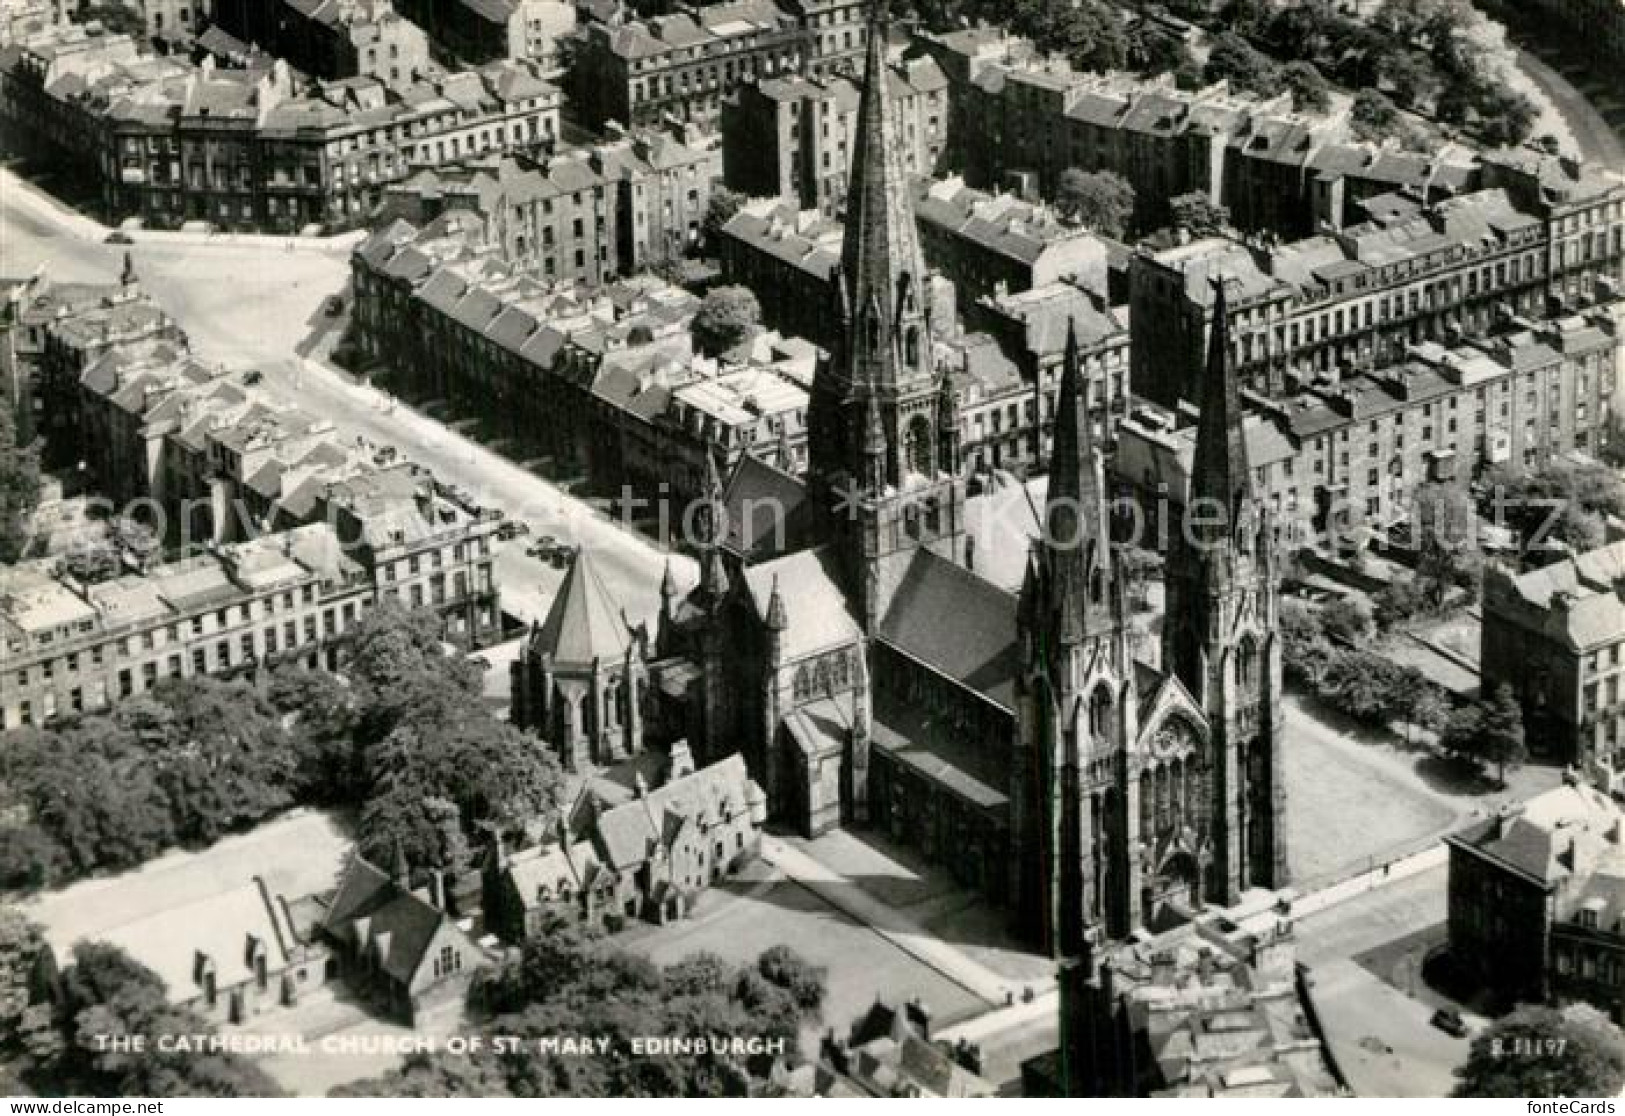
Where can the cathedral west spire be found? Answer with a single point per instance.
(1221, 633)
(1077, 528)
(1220, 475)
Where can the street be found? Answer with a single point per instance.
(250, 302)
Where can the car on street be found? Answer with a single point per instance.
(119, 236)
(1449, 1020)
(542, 548)
(333, 306)
(511, 529)
(253, 376)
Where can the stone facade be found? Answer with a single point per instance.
(332, 39)
(1361, 297)
(792, 137)
(169, 142)
(1534, 900)
(1349, 451)
(1556, 636)
(628, 853)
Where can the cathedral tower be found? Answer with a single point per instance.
(1079, 673)
(882, 460)
(1221, 635)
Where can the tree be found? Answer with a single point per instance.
(719, 211)
(19, 486)
(1539, 1051)
(1234, 60)
(1373, 114)
(1199, 215)
(1444, 527)
(90, 563)
(1401, 599)
(1309, 90)
(727, 317)
(21, 943)
(1501, 739)
(1423, 707)
(219, 750)
(1461, 732)
(1560, 501)
(805, 982)
(115, 18)
(1099, 200)
(1347, 619)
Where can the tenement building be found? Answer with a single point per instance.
(869, 676)
(1015, 114)
(681, 66)
(604, 379)
(332, 38)
(1535, 900)
(1359, 297)
(791, 137)
(1556, 636)
(169, 142)
(1347, 451)
(589, 214)
(473, 32)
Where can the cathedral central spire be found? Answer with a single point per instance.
(882, 294)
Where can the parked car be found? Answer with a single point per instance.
(542, 548)
(511, 529)
(119, 236)
(333, 307)
(253, 376)
(1449, 1021)
(561, 556)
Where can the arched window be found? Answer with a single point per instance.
(871, 328)
(918, 446)
(1247, 666)
(911, 346)
(1100, 712)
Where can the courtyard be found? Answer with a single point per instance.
(1357, 798)
(760, 907)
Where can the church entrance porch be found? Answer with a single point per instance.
(1173, 895)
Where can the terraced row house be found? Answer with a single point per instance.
(1016, 115)
(332, 38)
(1358, 297)
(1349, 450)
(604, 380)
(168, 142)
(791, 137)
(589, 214)
(683, 65)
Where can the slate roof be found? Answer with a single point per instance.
(757, 485)
(818, 614)
(626, 835)
(584, 624)
(368, 907)
(951, 620)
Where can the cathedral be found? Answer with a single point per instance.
(840, 639)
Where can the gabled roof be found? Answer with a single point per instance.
(370, 910)
(959, 625)
(584, 623)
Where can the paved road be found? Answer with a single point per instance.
(1598, 140)
(248, 301)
